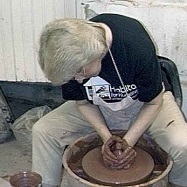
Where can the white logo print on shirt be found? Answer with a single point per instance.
(101, 88)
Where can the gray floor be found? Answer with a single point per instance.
(13, 159)
(21, 98)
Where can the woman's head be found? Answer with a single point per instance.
(66, 45)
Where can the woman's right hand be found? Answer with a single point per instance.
(108, 148)
(117, 154)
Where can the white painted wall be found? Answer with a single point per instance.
(21, 22)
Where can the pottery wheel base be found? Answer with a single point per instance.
(97, 171)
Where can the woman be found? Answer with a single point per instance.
(107, 67)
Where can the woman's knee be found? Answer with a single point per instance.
(40, 127)
(178, 150)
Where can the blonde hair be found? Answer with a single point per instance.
(68, 44)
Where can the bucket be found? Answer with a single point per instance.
(26, 179)
(75, 176)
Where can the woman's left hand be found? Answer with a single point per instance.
(117, 154)
(126, 157)
(109, 158)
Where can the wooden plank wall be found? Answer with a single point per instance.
(21, 22)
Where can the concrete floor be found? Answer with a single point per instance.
(13, 159)
(21, 98)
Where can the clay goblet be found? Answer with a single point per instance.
(26, 179)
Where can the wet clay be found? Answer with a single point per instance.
(95, 168)
(25, 179)
(83, 146)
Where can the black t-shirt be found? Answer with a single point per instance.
(135, 56)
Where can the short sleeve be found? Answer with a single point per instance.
(149, 79)
(72, 91)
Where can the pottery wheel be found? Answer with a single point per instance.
(97, 171)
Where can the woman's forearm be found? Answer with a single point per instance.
(144, 119)
(94, 116)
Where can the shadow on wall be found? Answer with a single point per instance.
(22, 96)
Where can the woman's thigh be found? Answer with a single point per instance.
(169, 129)
(64, 123)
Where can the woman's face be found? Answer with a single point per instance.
(87, 71)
